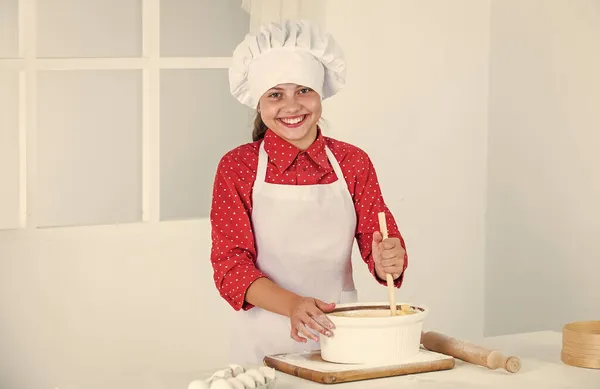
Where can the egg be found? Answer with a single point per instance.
(236, 369)
(198, 384)
(220, 384)
(268, 372)
(236, 383)
(258, 377)
(223, 373)
(247, 380)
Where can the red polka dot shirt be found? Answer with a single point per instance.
(233, 251)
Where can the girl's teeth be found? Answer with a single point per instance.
(292, 121)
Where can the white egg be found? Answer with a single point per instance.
(198, 384)
(247, 380)
(268, 372)
(236, 383)
(220, 384)
(223, 373)
(236, 369)
(258, 377)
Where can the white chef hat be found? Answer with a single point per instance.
(293, 51)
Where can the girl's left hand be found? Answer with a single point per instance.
(388, 256)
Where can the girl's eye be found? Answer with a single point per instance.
(274, 95)
(305, 90)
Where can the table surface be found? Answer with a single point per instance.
(541, 367)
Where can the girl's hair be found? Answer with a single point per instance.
(260, 128)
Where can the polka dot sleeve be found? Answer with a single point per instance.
(368, 201)
(233, 252)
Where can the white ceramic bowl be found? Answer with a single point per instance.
(368, 334)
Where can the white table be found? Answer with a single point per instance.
(541, 368)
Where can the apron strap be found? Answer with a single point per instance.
(261, 169)
(336, 167)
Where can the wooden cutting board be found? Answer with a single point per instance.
(311, 366)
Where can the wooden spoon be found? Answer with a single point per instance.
(389, 279)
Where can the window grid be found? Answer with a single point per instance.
(150, 64)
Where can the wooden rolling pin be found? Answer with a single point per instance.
(468, 352)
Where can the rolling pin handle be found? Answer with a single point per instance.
(513, 365)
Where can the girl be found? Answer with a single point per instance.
(287, 207)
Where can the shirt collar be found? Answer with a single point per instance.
(282, 153)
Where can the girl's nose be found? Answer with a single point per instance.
(291, 104)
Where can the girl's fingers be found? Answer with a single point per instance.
(384, 263)
(391, 253)
(295, 336)
(306, 332)
(309, 317)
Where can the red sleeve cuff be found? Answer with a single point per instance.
(236, 293)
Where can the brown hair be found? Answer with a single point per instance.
(260, 128)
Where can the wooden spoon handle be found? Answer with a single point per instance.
(389, 279)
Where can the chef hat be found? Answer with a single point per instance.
(288, 52)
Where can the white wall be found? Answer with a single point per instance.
(416, 101)
(542, 261)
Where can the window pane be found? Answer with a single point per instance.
(200, 121)
(91, 28)
(9, 150)
(9, 30)
(89, 147)
(202, 28)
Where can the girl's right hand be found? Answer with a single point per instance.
(308, 313)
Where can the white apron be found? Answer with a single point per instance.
(304, 236)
